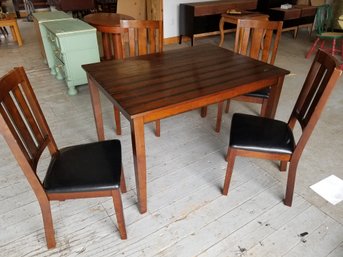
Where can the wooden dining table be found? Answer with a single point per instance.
(156, 86)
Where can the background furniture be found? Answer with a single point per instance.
(73, 5)
(151, 87)
(37, 4)
(258, 39)
(78, 8)
(106, 5)
(233, 19)
(258, 137)
(293, 18)
(82, 171)
(324, 33)
(203, 17)
(12, 23)
(46, 51)
(73, 43)
(108, 24)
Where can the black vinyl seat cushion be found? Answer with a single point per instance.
(260, 134)
(83, 168)
(262, 93)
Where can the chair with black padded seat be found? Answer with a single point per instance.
(258, 39)
(81, 171)
(259, 137)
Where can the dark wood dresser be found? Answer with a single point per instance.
(202, 18)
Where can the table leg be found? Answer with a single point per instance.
(138, 148)
(221, 29)
(274, 97)
(95, 98)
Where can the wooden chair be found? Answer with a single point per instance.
(323, 25)
(258, 39)
(81, 171)
(140, 37)
(259, 137)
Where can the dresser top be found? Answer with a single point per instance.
(51, 16)
(65, 27)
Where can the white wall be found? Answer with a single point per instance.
(171, 16)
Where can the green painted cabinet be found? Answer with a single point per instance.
(39, 18)
(73, 43)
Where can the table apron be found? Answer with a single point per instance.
(189, 105)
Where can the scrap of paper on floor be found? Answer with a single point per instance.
(330, 188)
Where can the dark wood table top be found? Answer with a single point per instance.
(154, 82)
(106, 19)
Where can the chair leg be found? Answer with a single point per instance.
(158, 128)
(117, 120)
(203, 111)
(123, 188)
(118, 207)
(264, 107)
(283, 165)
(312, 48)
(231, 156)
(48, 225)
(227, 107)
(290, 182)
(4, 31)
(219, 116)
(333, 47)
(295, 33)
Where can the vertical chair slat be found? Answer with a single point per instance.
(20, 125)
(31, 121)
(15, 135)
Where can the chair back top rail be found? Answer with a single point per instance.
(258, 39)
(143, 37)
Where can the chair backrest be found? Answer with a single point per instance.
(324, 18)
(141, 37)
(258, 39)
(315, 92)
(23, 125)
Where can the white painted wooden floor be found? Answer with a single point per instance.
(187, 215)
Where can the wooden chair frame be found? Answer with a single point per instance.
(27, 133)
(258, 39)
(139, 37)
(316, 90)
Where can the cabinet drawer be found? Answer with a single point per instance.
(61, 68)
(59, 55)
(53, 40)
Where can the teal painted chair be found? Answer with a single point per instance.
(323, 26)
